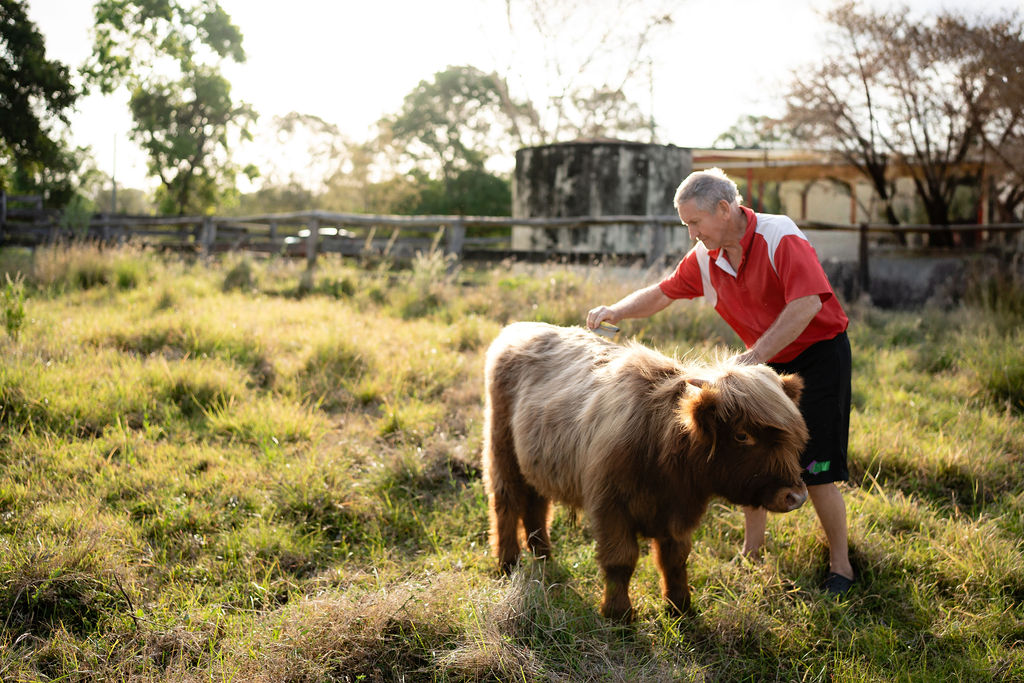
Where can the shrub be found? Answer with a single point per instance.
(999, 366)
(240, 277)
(332, 372)
(58, 584)
(86, 266)
(13, 303)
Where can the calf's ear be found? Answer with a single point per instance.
(793, 386)
(700, 410)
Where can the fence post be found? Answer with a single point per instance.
(312, 243)
(3, 213)
(656, 250)
(207, 235)
(863, 274)
(368, 243)
(456, 238)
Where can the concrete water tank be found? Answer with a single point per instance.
(597, 178)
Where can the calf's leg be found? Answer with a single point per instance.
(535, 521)
(617, 553)
(670, 555)
(504, 515)
(506, 489)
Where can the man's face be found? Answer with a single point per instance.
(707, 226)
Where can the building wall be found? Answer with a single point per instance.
(597, 179)
(829, 202)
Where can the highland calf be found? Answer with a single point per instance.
(639, 441)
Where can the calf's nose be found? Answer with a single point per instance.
(795, 499)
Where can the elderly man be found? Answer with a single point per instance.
(762, 276)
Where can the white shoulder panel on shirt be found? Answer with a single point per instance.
(773, 228)
(704, 261)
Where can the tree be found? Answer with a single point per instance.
(454, 122)
(168, 54)
(69, 173)
(835, 103)
(449, 128)
(604, 113)
(129, 200)
(34, 92)
(1002, 58)
(755, 132)
(590, 54)
(918, 95)
(472, 193)
(320, 145)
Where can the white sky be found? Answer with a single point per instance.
(351, 62)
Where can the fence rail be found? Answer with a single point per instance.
(307, 234)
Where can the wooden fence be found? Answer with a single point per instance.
(310, 233)
(306, 234)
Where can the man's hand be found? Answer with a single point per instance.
(747, 358)
(601, 314)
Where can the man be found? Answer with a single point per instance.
(763, 277)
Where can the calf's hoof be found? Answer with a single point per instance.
(618, 611)
(679, 607)
(508, 564)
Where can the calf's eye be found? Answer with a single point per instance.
(744, 438)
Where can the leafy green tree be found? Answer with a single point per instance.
(472, 193)
(454, 122)
(69, 173)
(448, 129)
(168, 54)
(272, 198)
(34, 92)
(129, 200)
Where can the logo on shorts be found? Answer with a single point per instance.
(818, 467)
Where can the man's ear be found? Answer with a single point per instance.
(793, 386)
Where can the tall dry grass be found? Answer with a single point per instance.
(236, 470)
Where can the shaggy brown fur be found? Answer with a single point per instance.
(640, 442)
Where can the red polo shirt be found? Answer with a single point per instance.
(778, 266)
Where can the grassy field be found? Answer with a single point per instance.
(234, 471)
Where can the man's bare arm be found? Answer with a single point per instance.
(640, 304)
(793, 320)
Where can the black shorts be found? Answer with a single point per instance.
(825, 405)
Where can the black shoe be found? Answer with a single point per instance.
(837, 584)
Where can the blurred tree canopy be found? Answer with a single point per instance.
(447, 130)
(592, 56)
(455, 121)
(755, 132)
(449, 148)
(168, 53)
(35, 93)
(928, 94)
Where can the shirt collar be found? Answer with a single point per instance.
(748, 236)
(745, 242)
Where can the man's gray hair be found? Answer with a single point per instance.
(707, 188)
